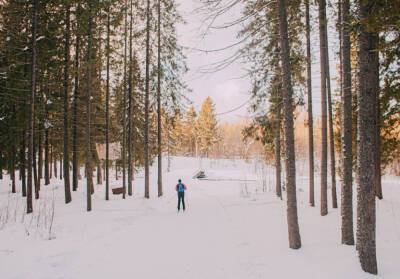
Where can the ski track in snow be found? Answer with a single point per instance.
(231, 229)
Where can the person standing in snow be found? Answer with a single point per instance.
(180, 189)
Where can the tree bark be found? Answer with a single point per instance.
(159, 127)
(12, 169)
(366, 219)
(51, 161)
(75, 165)
(324, 137)
(309, 108)
(22, 158)
(35, 171)
(108, 106)
(61, 168)
(378, 170)
(29, 206)
(46, 158)
(99, 175)
(55, 164)
(1, 164)
(67, 188)
(146, 108)
(130, 85)
(124, 103)
(290, 163)
(88, 153)
(277, 144)
(116, 171)
(40, 152)
(330, 118)
(347, 120)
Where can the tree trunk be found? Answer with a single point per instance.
(35, 172)
(99, 175)
(366, 219)
(51, 161)
(67, 187)
(146, 108)
(75, 165)
(130, 85)
(88, 153)
(55, 164)
(40, 153)
(347, 120)
(159, 127)
(12, 170)
(46, 158)
(22, 158)
(331, 133)
(1, 165)
(277, 144)
(378, 171)
(309, 108)
(108, 107)
(290, 163)
(324, 137)
(29, 206)
(103, 165)
(61, 168)
(124, 103)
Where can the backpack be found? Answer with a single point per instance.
(181, 187)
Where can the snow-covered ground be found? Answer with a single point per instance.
(234, 227)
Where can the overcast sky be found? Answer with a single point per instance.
(228, 88)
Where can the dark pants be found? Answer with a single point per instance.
(181, 197)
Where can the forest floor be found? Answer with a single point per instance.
(234, 227)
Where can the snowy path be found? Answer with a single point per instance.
(229, 230)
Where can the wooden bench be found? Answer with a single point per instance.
(118, 191)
